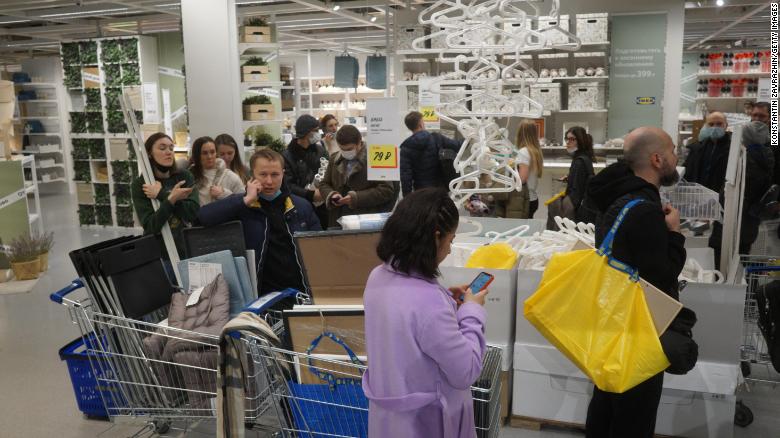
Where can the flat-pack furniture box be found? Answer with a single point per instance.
(587, 96)
(548, 95)
(592, 28)
(337, 264)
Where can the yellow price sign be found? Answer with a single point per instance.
(382, 156)
(429, 114)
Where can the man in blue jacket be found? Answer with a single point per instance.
(420, 164)
(270, 215)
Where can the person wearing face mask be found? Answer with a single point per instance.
(213, 179)
(579, 145)
(172, 187)
(329, 125)
(760, 113)
(649, 240)
(270, 215)
(759, 177)
(346, 187)
(708, 158)
(302, 162)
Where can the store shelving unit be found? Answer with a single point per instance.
(271, 88)
(352, 101)
(103, 162)
(30, 170)
(47, 149)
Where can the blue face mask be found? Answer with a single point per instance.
(713, 132)
(271, 197)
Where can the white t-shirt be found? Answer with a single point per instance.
(524, 157)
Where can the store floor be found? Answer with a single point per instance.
(37, 397)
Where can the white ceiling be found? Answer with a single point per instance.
(35, 27)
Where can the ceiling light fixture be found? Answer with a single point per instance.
(720, 2)
(14, 21)
(96, 12)
(336, 7)
(373, 19)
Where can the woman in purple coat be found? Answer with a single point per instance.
(425, 343)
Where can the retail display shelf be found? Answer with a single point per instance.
(55, 166)
(288, 87)
(689, 118)
(408, 83)
(733, 75)
(37, 101)
(44, 134)
(321, 93)
(369, 91)
(257, 47)
(55, 180)
(250, 85)
(550, 80)
(726, 98)
(23, 152)
(39, 118)
(596, 111)
(250, 123)
(35, 84)
(686, 132)
(87, 136)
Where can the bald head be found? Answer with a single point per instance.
(716, 119)
(642, 143)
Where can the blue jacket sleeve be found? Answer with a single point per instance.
(312, 220)
(224, 210)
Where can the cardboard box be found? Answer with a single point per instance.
(84, 194)
(256, 34)
(337, 264)
(90, 72)
(255, 77)
(254, 69)
(259, 112)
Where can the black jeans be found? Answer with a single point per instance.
(627, 415)
(532, 207)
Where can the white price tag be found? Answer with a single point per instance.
(194, 297)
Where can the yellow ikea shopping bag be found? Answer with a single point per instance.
(592, 308)
(493, 256)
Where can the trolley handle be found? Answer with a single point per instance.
(754, 269)
(263, 303)
(60, 295)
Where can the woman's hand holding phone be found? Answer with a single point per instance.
(463, 294)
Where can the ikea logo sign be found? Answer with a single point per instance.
(645, 100)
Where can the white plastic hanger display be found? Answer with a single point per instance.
(482, 34)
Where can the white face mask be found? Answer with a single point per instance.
(349, 155)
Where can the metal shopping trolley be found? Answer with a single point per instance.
(292, 394)
(760, 350)
(136, 377)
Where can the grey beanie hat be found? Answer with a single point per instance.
(755, 133)
(304, 125)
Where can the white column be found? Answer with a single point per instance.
(210, 33)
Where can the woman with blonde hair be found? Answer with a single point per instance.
(530, 162)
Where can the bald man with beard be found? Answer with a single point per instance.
(708, 158)
(649, 240)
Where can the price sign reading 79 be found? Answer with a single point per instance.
(382, 156)
(429, 114)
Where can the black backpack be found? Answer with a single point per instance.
(446, 159)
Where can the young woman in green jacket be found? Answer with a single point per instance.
(172, 187)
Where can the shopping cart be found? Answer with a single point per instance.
(136, 377)
(759, 337)
(287, 392)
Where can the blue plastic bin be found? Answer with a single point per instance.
(85, 386)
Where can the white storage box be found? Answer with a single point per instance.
(593, 28)
(587, 96)
(549, 27)
(549, 95)
(518, 27)
(44, 163)
(408, 34)
(438, 42)
(49, 148)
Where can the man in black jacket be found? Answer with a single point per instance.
(708, 158)
(649, 240)
(302, 162)
(420, 166)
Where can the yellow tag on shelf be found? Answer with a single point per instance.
(382, 156)
(429, 114)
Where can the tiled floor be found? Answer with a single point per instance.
(36, 398)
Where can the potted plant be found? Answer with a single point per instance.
(92, 102)
(110, 51)
(5, 265)
(258, 108)
(256, 30)
(82, 171)
(116, 122)
(255, 69)
(80, 149)
(44, 243)
(113, 75)
(70, 54)
(24, 257)
(277, 145)
(95, 122)
(130, 75)
(120, 171)
(86, 214)
(72, 76)
(88, 51)
(97, 149)
(78, 122)
(263, 139)
(129, 49)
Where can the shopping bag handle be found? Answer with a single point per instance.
(326, 376)
(606, 246)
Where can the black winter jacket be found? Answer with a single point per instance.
(643, 241)
(707, 161)
(420, 161)
(300, 166)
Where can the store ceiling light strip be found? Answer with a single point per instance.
(93, 12)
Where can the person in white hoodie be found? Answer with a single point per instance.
(213, 179)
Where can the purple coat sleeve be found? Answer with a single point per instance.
(456, 341)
